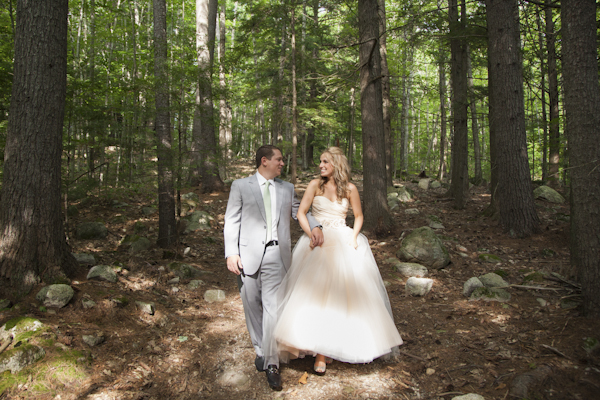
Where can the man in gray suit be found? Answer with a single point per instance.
(258, 249)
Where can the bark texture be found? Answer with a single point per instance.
(582, 102)
(458, 69)
(377, 214)
(33, 246)
(204, 146)
(167, 229)
(513, 194)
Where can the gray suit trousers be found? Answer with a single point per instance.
(259, 296)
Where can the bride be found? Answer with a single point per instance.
(332, 302)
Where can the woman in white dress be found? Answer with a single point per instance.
(332, 302)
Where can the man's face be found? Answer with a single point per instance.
(272, 167)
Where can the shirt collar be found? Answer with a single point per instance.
(261, 179)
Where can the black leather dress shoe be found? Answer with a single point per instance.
(273, 377)
(260, 363)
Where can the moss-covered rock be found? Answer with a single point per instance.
(424, 247)
(490, 294)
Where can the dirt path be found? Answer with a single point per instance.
(194, 349)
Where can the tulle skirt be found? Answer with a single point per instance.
(333, 302)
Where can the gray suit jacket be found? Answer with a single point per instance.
(245, 229)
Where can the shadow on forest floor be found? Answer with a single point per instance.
(194, 349)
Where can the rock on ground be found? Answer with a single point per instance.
(418, 286)
(103, 273)
(55, 295)
(423, 246)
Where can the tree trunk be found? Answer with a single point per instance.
(33, 246)
(513, 194)
(582, 102)
(294, 164)
(377, 214)
(351, 128)
(385, 91)
(224, 108)
(404, 122)
(543, 69)
(474, 125)
(204, 146)
(443, 118)
(554, 131)
(167, 229)
(460, 144)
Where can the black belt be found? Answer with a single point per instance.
(272, 243)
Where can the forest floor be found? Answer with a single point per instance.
(194, 349)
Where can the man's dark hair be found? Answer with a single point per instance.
(265, 151)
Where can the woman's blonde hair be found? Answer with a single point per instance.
(341, 172)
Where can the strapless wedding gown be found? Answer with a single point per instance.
(333, 300)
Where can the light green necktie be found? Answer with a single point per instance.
(267, 201)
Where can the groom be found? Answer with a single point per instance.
(258, 249)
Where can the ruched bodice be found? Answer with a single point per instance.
(330, 213)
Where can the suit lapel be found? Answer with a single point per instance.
(255, 188)
(279, 186)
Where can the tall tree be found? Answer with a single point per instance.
(204, 145)
(224, 107)
(385, 92)
(294, 163)
(443, 118)
(554, 131)
(167, 229)
(33, 246)
(377, 213)
(478, 176)
(458, 69)
(582, 102)
(513, 194)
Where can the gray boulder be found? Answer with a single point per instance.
(489, 258)
(424, 183)
(214, 295)
(493, 280)
(198, 221)
(135, 243)
(21, 357)
(392, 200)
(195, 284)
(470, 286)
(190, 196)
(412, 211)
(403, 195)
(94, 339)
(424, 247)
(91, 230)
(55, 295)
(548, 194)
(435, 185)
(141, 244)
(85, 259)
(20, 326)
(418, 286)
(144, 307)
(469, 396)
(490, 294)
(103, 273)
(411, 269)
(185, 271)
(88, 303)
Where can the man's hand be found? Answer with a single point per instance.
(316, 237)
(234, 264)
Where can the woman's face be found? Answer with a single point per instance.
(325, 166)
